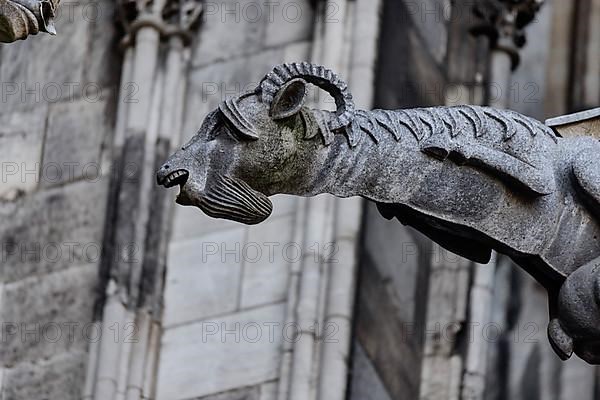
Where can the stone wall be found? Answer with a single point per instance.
(226, 284)
(246, 308)
(56, 114)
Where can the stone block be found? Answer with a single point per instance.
(103, 67)
(407, 73)
(221, 354)
(430, 17)
(191, 223)
(21, 142)
(390, 342)
(203, 277)
(290, 21)
(365, 383)
(269, 391)
(230, 28)
(61, 377)
(48, 69)
(528, 85)
(283, 205)
(398, 256)
(251, 393)
(211, 84)
(46, 316)
(52, 230)
(267, 262)
(75, 133)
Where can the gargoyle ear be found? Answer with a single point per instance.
(289, 99)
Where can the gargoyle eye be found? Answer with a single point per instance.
(221, 124)
(243, 128)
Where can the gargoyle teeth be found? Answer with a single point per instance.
(178, 177)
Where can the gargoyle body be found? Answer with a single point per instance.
(473, 179)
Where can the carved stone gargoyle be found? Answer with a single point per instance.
(473, 179)
(21, 18)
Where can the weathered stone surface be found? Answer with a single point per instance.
(292, 21)
(40, 326)
(230, 352)
(391, 343)
(52, 230)
(59, 377)
(21, 142)
(402, 83)
(400, 255)
(268, 391)
(192, 224)
(75, 133)
(103, 64)
(233, 29)
(365, 383)
(527, 87)
(44, 81)
(203, 276)
(443, 352)
(267, 263)
(431, 17)
(252, 393)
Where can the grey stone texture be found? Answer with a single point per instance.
(75, 134)
(21, 152)
(410, 75)
(244, 29)
(365, 380)
(87, 60)
(60, 377)
(56, 110)
(252, 393)
(52, 230)
(42, 327)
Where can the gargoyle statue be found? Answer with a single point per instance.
(473, 179)
(21, 18)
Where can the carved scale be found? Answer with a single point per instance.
(473, 179)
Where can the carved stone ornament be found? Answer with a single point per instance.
(473, 179)
(21, 18)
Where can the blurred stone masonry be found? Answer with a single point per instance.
(32, 210)
(387, 65)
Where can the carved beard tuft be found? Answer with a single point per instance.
(233, 199)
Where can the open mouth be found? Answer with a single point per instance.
(178, 177)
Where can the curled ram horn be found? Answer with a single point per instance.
(319, 76)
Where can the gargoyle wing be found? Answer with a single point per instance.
(538, 181)
(459, 133)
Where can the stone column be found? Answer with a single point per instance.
(148, 126)
(503, 23)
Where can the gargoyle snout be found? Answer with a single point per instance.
(168, 176)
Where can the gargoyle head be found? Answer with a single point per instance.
(257, 144)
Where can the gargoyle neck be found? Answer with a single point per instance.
(346, 171)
